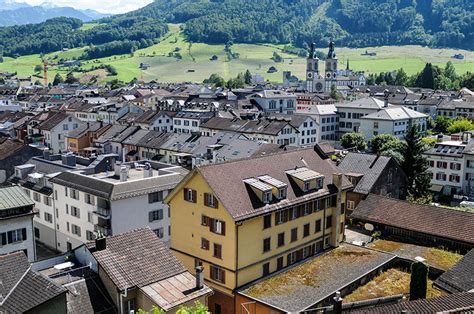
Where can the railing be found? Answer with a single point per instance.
(103, 230)
(102, 212)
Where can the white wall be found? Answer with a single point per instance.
(19, 223)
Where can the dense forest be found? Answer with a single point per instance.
(120, 35)
(352, 23)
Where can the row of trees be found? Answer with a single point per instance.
(240, 81)
(432, 76)
(408, 153)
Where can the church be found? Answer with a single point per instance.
(317, 82)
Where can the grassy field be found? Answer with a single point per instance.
(195, 63)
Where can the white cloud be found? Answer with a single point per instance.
(106, 6)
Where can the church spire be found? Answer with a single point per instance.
(332, 52)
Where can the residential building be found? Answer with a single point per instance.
(146, 276)
(305, 124)
(372, 174)
(327, 120)
(112, 202)
(274, 101)
(456, 108)
(16, 222)
(438, 226)
(24, 290)
(80, 140)
(13, 153)
(190, 121)
(253, 217)
(152, 120)
(394, 121)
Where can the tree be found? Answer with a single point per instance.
(38, 68)
(460, 125)
(238, 82)
(334, 93)
(215, 79)
(353, 140)
(468, 80)
(198, 308)
(388, 145)
(418, 281)
(71, 79)
(248, 77)
(401, 78)
(58, 79)
(415, 164)
(450, 71)
(427, 76)
(442, 124)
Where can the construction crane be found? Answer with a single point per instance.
(45, 71)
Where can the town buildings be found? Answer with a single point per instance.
(281, 209)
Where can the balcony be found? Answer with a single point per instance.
(105, 231)
(102, 212)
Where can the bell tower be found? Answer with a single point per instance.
(312, 69)
(331, 67)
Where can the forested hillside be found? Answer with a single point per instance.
(351, 23)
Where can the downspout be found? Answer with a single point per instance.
(236, 259)
(55, 223)
(324, 225)
(121, 300)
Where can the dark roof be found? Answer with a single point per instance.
(9, 147)
(242, 204)
(53, 121)
(89, 295)
(453, 303)
(84, 183)
(86, 127)
(136, 259)
(460, 278)
(23, 289)
(432, 220)
(371, 166)
(270, 127)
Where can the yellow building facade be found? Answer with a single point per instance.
(247, 228)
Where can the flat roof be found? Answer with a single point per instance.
(304, 285)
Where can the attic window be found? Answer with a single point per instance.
(266, 197)
(307, 186)
(282, 193)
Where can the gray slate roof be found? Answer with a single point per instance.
(460, 278)
(23, 289)
(371, 166)
(136, 259)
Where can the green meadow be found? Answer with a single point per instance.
(194, 61)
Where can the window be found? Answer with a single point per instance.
(47, 200)
(280, 217)
(306, 251)
(36, 197)
(267, 221)
(305, 230)
(37, 233)
(155, 215)
(291, 258)
(217, 274)
(190, 195)
(294, 234)
(266, 269)
(317, 226)
(266, 197)
(204, 244)
(75, 230)
(74, 194)
(350, 204)
(282, 193)
(217, 250)
(90, 235)
(306, 209)
(281, 239)
(329, 221)
(210, 200)
(75, 212)
(90, 217)
(159, 232)
(89, 199)
(204, 220)
(294, 213)
(218, 226)
(17, 235)
(280, 263)
(266, 245)
(306, 186)
(155, 197)
(48, 217)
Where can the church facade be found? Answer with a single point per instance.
(321, 82)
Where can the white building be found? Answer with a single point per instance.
(190, 121)
(16, 222)
(392, 120)
(350, 113)
(326, 118)
(113, 202)
(275, 101)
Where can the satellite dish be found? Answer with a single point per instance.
(369, 227)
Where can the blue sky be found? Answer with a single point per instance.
(108, 6)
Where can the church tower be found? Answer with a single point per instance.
(331, 68)
(314, 83)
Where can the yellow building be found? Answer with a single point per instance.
(245, 219)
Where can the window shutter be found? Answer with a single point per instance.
(3, 238)
(285, 215)
(223, 227)
(23, 231)
(216, 202)
(211, 224)
(322, 203)
(206, 200)
(184, 194)
(10, 236)
(222, 275)
(194, 196)
(150, 216)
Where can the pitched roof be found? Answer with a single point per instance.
(9, 147)
(432, 220)
(453, 303)
(136, 259)
(364, 103)
(14, 197)
(241, 203)
(371, 166)
(53, 121)
(460, 278)
(23, 289)
(395, 113)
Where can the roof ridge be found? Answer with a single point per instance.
(15, 286)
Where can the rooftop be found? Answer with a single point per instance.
(460, 278)
(14, 197)
(307, 284)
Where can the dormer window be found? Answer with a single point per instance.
(282, 193)
(266, 197)
(262, 190)
(278, 188)
(306, 179)
(307, 186)
(319, 184)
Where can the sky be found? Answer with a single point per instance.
(105, 6)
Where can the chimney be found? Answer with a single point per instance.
(466, 137)
(385, 102)
(199, 277)
(337, 300)
(46, 154)
(439, 138)
(100, 242)
(123, 173)
(147, 171)
(69, 160)
(336, 221)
